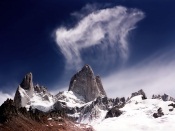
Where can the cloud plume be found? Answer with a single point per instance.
(155, 75)
(106, 28)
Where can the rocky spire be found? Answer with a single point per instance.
(100, 86)
(86, 84)
(24, 91)
(27, 84)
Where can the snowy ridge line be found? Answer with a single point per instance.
(85, 105)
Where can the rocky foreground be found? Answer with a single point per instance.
(19, 119)
(85, 106)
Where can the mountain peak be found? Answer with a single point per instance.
(87, 67)
(27, 82)
(86, 84)
(26, 94)
(24, 91)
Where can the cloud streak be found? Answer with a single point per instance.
(106, 28)
(4, 96)
(154, 75)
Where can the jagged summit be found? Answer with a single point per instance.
(27, 82)
(87, 68)
(86, 84)
(29, 95)
(164, 97)
(24, 91)
(86, 102)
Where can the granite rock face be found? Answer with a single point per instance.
(24, 91)
(21, 97)
(27, 82)
(86, 84)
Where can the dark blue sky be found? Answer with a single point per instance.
(27, 42)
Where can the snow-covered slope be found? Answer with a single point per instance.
(95, 115)
(37, 97)
(70, 102)
(103, 113)
(37, 101)
(137, 113)
(77, 108)
(40, 101)
(71, 99)
(138, 116)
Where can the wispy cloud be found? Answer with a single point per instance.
(106, 28)
(4, 96)
(154, 75)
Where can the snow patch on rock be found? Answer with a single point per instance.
(70, 98)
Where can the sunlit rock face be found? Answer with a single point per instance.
(35, 96)
(24, 91)
(86, 84)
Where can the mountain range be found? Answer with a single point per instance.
(84, 106)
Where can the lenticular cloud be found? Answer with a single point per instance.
(107, 28)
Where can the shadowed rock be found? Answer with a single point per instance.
(86, 84)
(21, 97)
(114, 112)
(164, 97)
(27, 82)
(172, 104)
(24, 91)
(140, 92)
(159, 113)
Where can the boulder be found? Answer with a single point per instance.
(172, 104)
(159, 113)
(113, 112)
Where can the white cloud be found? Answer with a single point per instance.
(4, 96)
(107, 28)
(155, 75)
(56, 90)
